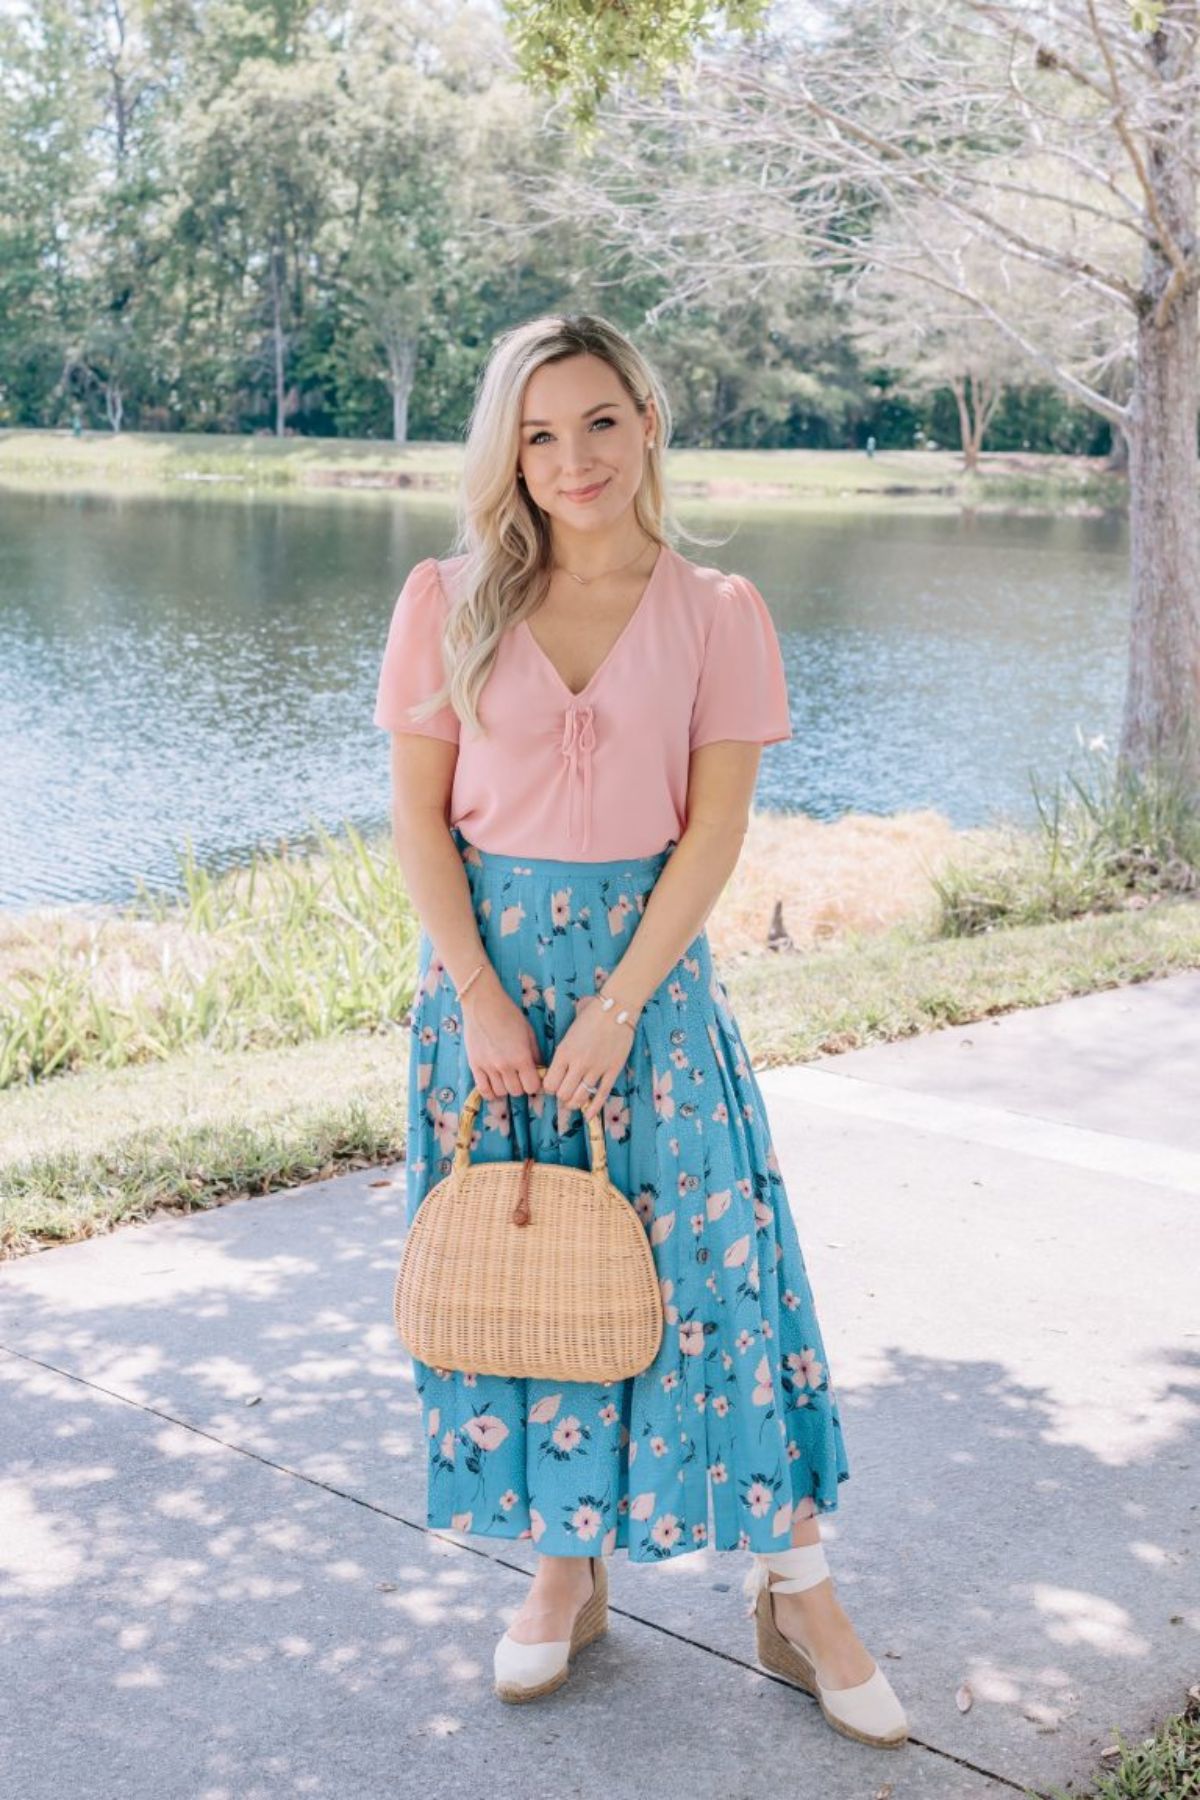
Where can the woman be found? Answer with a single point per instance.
(577, 714)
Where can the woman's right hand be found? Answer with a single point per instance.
(501, 1045)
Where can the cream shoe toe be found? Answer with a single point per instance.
(869, 1712)
(525, 1671)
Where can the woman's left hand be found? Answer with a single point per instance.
(594, 1048)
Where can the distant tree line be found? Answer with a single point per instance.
(273, 215)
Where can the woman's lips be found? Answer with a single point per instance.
(584, 493)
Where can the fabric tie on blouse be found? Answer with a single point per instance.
(578, 742)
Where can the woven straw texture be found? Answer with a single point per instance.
(529, 1268)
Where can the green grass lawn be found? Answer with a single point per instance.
(54, 460)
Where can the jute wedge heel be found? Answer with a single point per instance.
(869, 1712)
(526, 1671)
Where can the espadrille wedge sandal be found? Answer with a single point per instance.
(868, 1712)
(525, 1671)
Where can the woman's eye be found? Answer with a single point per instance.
(604, 420)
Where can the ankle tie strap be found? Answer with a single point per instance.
(802, 1566)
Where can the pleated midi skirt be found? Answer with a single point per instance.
(733, 1430)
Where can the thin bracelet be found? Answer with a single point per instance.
(470, 978)
(608, 1001)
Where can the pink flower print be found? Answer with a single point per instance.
(670, 1381)
(673, 1146)
(681, 1184)
(486, 1430)
(567, 1434)
(720, 1113)
(764, 1391)
(783, 1520)
(508, 1499)
(662, 1228)
(536, 1524)
(720, 1405)
(699, 1533)
(743, 1540)
(587, 1521)
(759, 1498)
(670, 1311)
(633, 1450)
(666, 1531)
(767, 1331)
(470, 1378)
(448, 1445)
(692, 965)
(664, 1104)
(435, 1419)
(460, 1521)
(433, 975)
(548, 997)
(717, 1205)
(675, 990)
(609, 1414)
(807, 1367)
(737, 1253)
(641, 1506)
(718, 1473)
(618, 912)
(643, 1205)
(691, 1337)
(485, 907)
(726, 1361)
(697, 1224)
(790, 1299)
(445, 1126)
(510, 919)
(609, 1541)
(793, 1455)
(543, 1410)
(744, 1340)
(763, 1216)
(496, 1116)
(752, 1277)
(616, 1116)
(560, 908)
(658, 1445)
(529, 989)
(772, 1159)
(680, 1058)
(426, 1036)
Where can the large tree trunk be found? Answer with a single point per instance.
(1162, 699)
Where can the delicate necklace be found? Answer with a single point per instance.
(586, 580)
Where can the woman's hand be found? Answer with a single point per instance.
(594, 1049)
(501, 1045)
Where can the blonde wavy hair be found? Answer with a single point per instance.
(502, 532)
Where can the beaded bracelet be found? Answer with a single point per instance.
(470, 978)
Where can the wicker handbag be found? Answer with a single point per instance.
(529, 1268)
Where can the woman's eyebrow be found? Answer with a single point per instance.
(600, 406)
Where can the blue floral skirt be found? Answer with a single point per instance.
(737, 1407)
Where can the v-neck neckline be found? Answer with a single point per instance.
(620, 638)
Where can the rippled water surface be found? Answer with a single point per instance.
(205, 667)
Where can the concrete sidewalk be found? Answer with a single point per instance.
(216, 1579)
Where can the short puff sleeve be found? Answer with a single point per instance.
(742, 692)
(412, 659)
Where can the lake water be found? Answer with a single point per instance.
(205, 667)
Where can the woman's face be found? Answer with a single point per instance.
(582, 442)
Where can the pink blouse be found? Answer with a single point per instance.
(600, 774)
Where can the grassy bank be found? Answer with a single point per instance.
(57, 461)
(254, 1035)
